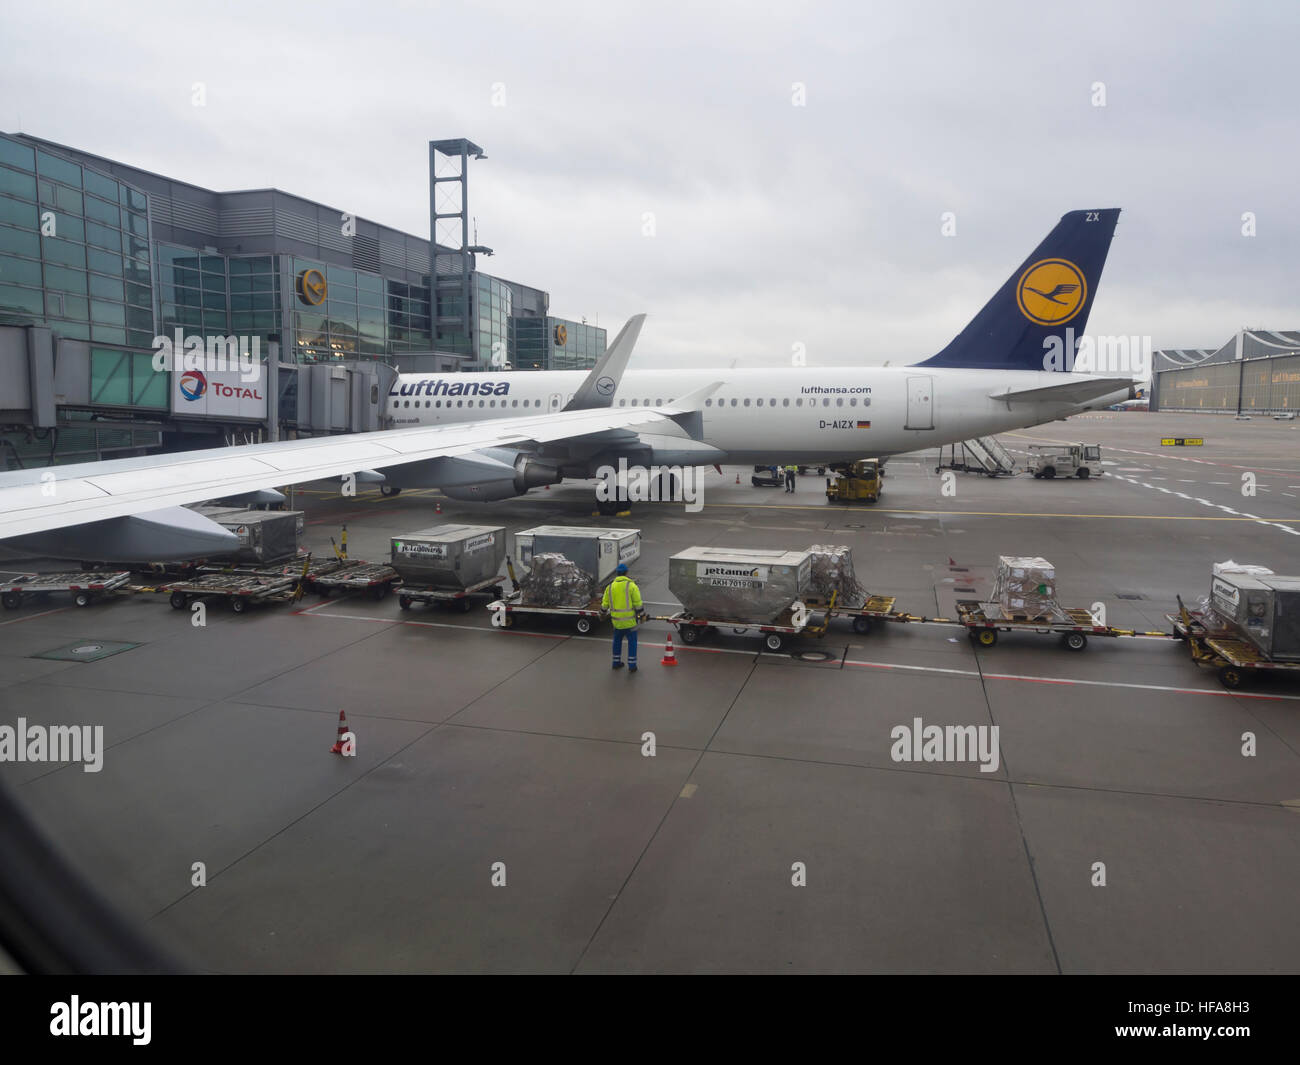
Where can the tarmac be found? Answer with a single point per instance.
(514, 805)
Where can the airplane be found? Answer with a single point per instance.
(492, 436)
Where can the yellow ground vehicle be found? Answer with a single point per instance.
(859, 483)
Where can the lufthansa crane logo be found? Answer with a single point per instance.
(1052, 291)
(561, 335)
(311, 287)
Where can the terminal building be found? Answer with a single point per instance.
(98, 258)
(1256, 371)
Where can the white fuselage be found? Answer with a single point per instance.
(767, 415)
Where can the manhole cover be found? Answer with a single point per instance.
(815, 656)
(86, 650)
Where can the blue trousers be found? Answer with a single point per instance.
(631, 645)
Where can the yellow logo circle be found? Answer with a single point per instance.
(311, 286)
(1052, 291)
(561, 335)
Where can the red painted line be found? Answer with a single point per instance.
(43, 613)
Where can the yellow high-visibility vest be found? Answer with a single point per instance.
(622, 599)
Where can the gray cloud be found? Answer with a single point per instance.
(774, 224)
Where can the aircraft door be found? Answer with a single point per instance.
(920, 403)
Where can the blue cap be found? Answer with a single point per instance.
(622, 568)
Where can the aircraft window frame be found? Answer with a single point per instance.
(746, 403)
(826, 402)
(622, 403)
(492, 403)
(785, 402)
(708, 403)
(438, 403)
(760, 401)
(772, 403)
(659, 402)
(853, 402)
(799, 402)
(839, 401)
(733, 401)
(407, 403)
(514, 403)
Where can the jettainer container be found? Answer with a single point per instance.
(739, 584)
(597, 552)
(1263, 609)
(450, 556)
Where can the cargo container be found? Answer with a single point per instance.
(1262, 609)
(264, 535)
(741, 584)
(450, 556)
(597, 552)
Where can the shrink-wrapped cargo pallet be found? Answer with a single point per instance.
(554, 580)
(1026, 587)
(832, 573)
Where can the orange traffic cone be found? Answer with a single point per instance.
(437, 508)
(669, 659)
(738, 478)
(343, 731)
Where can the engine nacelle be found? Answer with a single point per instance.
(483, 492)
(529, 473)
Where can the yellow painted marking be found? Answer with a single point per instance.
(972, 513)
(689, 790)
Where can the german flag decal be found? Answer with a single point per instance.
(864, 425)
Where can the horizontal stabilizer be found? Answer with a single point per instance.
(1068, 391)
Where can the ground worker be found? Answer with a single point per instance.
(622, 601)
(790, 471)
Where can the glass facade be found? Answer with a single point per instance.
(77, 254)
(360, 314)
(74, 249)
(493, 301)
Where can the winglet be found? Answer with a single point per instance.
(601, 384)
(686, 411)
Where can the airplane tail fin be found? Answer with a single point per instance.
(1050, 292)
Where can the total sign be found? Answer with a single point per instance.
(219, 394)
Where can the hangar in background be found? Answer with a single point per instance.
(1255, 371)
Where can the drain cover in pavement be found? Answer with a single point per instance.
(86, 650)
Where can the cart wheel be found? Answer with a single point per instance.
(238, 604)
(689, 633)
(986, 637)
(583, 625)
(773, 641)
(861, 625)
(379, 591)
(389, 490)
(404, 601)
(322, 590)
(179, 600)
(1049, 472)
(12, 600)
(82, 599)
(465, 604)
(1084, 474)
(1230, 677)
(1074, 641)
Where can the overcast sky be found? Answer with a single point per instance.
(774, 224)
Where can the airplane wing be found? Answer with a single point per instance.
(33, 501)
(1079, 391)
